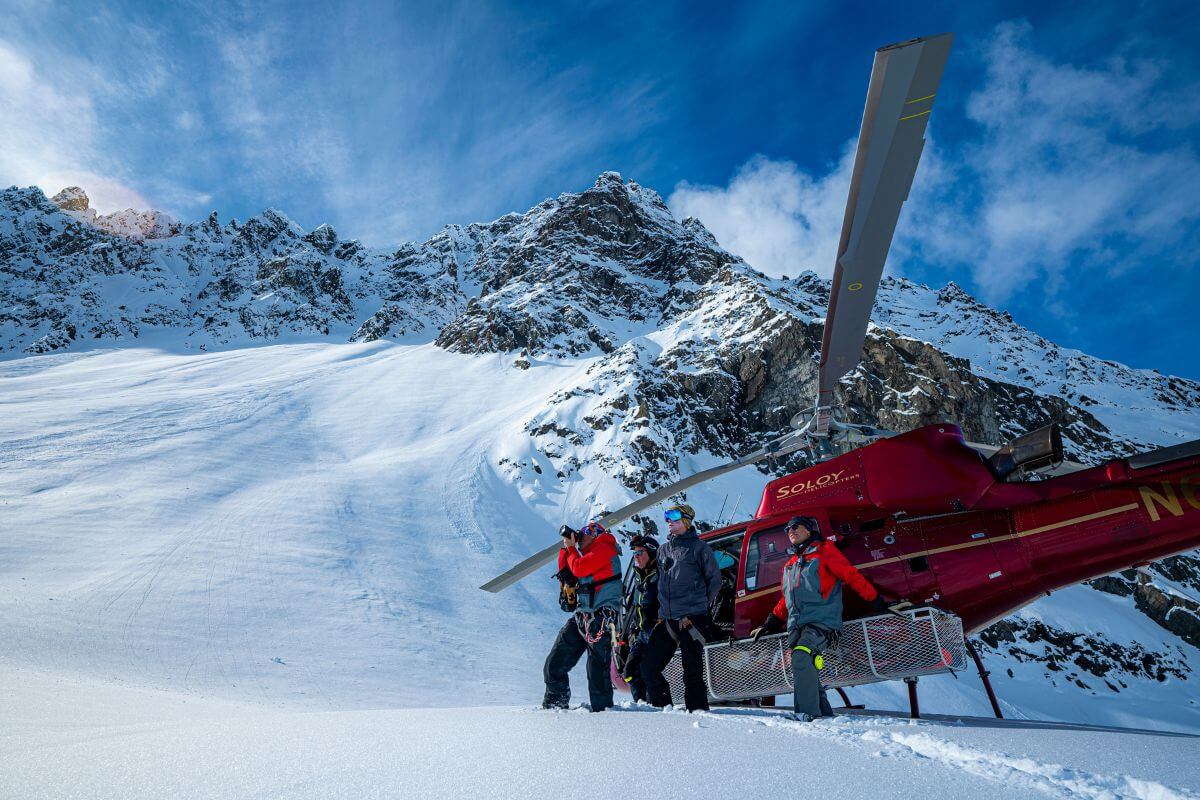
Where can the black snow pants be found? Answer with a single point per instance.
(633, 668)
(809, 694)
(582, 633)
(664, 640)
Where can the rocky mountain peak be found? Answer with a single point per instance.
(324, 238)
(72, 198)
(130, 223)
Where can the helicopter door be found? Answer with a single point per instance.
(960, 553)
(875, 548)
(766, 551)
(727, 550)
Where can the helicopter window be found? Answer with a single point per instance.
(767, 553)
(918, 564)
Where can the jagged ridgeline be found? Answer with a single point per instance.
(692, 341)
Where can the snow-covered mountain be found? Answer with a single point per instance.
(456, 399)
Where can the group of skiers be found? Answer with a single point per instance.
(668, 602)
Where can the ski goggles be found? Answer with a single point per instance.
(640, 552)
(673, 515)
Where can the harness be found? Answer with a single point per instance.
(589, 587)
(584, 619)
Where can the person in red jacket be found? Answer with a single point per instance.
(812, 606)
(590, 563)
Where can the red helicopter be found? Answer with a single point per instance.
(972, 530)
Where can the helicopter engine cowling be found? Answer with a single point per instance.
(1029, 452)
(926, 471)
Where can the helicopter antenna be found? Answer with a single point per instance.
(900, 98)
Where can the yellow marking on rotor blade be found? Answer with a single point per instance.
(918, 114)
(919, 99)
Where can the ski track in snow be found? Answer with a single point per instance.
(461, 496)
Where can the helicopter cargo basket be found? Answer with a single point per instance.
(921, 641)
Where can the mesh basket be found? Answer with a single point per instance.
(923, 641)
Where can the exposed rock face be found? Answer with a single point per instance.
(71, 198)
(1158, 595)
(1087, 661)
(128, 223)
(209, 283)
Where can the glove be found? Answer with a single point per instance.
(881, 606)
(773, 624)
(566, 577)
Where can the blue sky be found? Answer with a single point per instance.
(1059, 183)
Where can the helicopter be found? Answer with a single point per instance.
(972, 530)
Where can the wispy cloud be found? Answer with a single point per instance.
(1063, 171)
(49, 135)
(1077, 167)
(778, 217)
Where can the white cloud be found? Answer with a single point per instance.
(777, 217)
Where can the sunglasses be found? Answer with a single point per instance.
(674, 515)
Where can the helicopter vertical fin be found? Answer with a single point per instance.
(904, 85)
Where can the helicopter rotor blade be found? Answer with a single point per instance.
(778, 447)
(904, 83)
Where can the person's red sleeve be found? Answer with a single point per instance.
(780, 610)
(844, 571)
(597, 561)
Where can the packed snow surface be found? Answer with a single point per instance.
(67, 739)
(255, 572)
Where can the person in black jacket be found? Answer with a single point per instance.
(642, 607)
(689, 581)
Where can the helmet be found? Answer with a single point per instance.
(647, 543)
(685, 512)
(810, 524)
(592, 529)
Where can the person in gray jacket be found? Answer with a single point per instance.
(688, 583)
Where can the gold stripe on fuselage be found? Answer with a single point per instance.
(965, 545)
